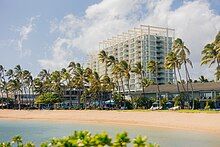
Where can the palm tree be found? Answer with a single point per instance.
(26, 76)
(211, 55)
(2, 82)
(38, 86)
(114, 63)
(56, 82)
(44, 74)
(202, 79)
(152, 67)
(10, 74)
(138, 69)
(66, 82)
(103, 58)
(71, 67)
(145, 82)
(126, 70)
(172, 63)
(183, 52)
(95, 86)
(15, 87)
(79, 80)
(118, 74)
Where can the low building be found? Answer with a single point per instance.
(201, 91)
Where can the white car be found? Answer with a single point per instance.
(175, 108)
(155, 108)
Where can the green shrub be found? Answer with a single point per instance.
(84, 139)
(47, 98)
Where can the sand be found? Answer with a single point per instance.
(203, 122)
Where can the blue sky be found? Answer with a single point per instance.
(50, 33)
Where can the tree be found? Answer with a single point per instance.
(202, 79)
(3, 84)
(146, 83)
(27, 84)
(172, 63)
(103, 58)
(183, 52)
(79, 80)
(126, 70)
(47, 98)
(211, 55)
(95, 86)
(112, 62)
(152, 67)
(118, 74)
(138, 69)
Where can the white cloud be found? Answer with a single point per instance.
(194, 22)
(24, 33)
(60, 54)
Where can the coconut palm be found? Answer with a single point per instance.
(44, 74)
(3, 83)
(66, 83)
(172, 63)
(145, 82)
(138, 69)
(79, 80)
(114, 63)
(95, 86)
(71, 67)
(202, 79)
(10, 74)
(118, 74)
(38, 86)
(103, 58)
(211, 54)
(26, 78)
(152, 67)
(126, 72)
(56, 82)
(183, 52)
(14, 86)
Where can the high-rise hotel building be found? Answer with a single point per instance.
(138, 45)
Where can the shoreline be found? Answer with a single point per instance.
(198, 122)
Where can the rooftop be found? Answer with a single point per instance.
(172, 88)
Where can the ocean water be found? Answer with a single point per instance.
(39, 131)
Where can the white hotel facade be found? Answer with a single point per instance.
(138, 45)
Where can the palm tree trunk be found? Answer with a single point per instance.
(2, 99)
(129, 90)
(187, 81)
(122, 85)
(177, 84)
(106, 70)
(78, 95)
(118, 86)
(181, 80)
(143, 92)
(7, 99)
(192, 92)
(71, 101)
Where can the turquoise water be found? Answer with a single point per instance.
(39, 131)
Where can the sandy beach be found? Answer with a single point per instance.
(188, 121)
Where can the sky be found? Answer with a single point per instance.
(50, 33)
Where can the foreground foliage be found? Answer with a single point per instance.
(85, 139)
